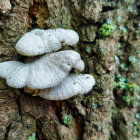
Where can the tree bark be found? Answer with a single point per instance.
(102, 114)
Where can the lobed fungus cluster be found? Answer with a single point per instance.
(50, 71)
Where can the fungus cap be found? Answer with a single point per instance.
(66, 36)
(39, 41)
(47, 71)
(74, 84)
(51, 43)
(30, 45)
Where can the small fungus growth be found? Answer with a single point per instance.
(49, 72)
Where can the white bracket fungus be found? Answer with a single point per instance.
(38, 41)
(47, 71)
(74, 84)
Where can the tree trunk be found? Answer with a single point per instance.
(102, 114)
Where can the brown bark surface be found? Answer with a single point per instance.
(102, 114)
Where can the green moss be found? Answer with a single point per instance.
(137, 116)
(117, 58)
(121, 83)
(138, 51)
(135, 124)
(128, 99)
(131, 86)
(132, 59)
(135, 132)
(119, 18)
(119, 45)
(101, 51)
(107, 28)
(32, 137)
(114, 111)
(94, 106)
(66, 119)
(137, 32)
(130, 8)
(124, 29)
(88, 50)
(123, 67)
(109, 21)
(136, 128)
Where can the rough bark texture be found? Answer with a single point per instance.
(102, 114)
